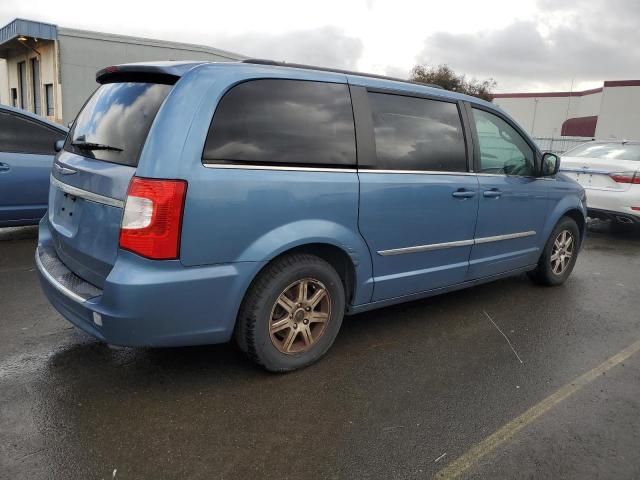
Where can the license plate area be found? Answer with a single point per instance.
(66, 211)
(583, 179)
(594, 180)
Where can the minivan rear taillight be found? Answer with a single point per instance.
(152, 218)
(626, 177)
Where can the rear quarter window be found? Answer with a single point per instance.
(118, 115)
(283, 122)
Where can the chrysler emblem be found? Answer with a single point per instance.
(63, 170)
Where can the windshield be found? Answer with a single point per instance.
(114, 123)
(613, 151)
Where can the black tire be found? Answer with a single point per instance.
(544, 273)
(254, 319)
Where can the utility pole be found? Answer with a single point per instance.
(535, 110)
(566, 117)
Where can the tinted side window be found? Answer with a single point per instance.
(417, 134)
(283, 122)
(502, 148)
(21, 135)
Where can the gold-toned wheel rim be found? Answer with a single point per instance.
(562, 252)
(300, 316)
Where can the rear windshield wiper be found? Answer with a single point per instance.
(94, 146)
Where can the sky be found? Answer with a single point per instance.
(524, 45)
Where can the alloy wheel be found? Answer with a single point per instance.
(562, 252)
(300, 316)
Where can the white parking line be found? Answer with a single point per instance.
(493, 441)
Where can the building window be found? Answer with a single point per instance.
(22, 77)
(35, 85)
(48, 93)
(14, 97)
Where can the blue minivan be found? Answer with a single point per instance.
(195, 202)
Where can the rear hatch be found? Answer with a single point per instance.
(91, 175)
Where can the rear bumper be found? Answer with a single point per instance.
(616, 202)
(615, 216)
(151, 304)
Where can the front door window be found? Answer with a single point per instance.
(502, 148)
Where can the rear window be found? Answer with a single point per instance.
(119, 116)
(613, 151)
(283, 122)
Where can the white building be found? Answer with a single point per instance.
(51, 71)
(612, 111)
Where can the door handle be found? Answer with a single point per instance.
(493, 193)
(463, 193)
(4, 167)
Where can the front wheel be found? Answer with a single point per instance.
(292, 313)
(559, 255)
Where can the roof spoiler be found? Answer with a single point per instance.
(142, 72)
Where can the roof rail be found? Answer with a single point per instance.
(260, 61)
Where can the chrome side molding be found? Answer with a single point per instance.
(425, 248)
(231, 166)
(508, 236)
(459, 243)
(417, 172)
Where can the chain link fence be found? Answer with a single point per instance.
(559, 145)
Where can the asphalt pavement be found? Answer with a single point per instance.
(406, 392)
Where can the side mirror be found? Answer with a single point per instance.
(550, 164)
(58, 145)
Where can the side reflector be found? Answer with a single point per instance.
(152, 218)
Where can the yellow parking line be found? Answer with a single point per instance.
(486, 446)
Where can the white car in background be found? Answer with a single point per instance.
(610, 173)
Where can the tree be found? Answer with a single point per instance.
(445, 77)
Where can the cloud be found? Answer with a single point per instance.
(397, 72)
(588, 41)
(326, 46)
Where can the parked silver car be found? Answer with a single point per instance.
(610, 173)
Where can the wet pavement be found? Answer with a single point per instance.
(403, 392)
